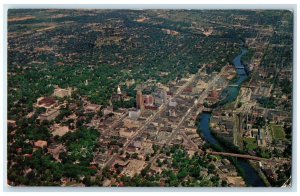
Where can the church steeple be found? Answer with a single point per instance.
(119, 92)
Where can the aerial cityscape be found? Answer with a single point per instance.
(149, 98)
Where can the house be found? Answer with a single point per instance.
(55, 150)
(126, 133)
(128, 123)
(88, 108)
(134, 167)
(191, 153)
(49, 115)
(11, 123)
(46, 102)
(137, 144)
(40, 144)
(59, 92)
(60, 130)
(108, 110)
(106, 183)
(155, 169)
(99, 160)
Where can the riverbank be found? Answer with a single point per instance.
(234, 149)
(253, 177)
(244, 169)
(261, 174)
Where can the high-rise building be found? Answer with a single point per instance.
(139, 100)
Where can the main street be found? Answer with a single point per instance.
(153, 117)
(200, 100)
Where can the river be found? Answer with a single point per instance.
(251, 176)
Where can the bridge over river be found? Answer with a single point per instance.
(245, 156)
(238, 155)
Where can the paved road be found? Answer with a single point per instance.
(201, 98)
(153, 117)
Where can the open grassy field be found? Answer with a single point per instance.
(251, 143)
(277, 131)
